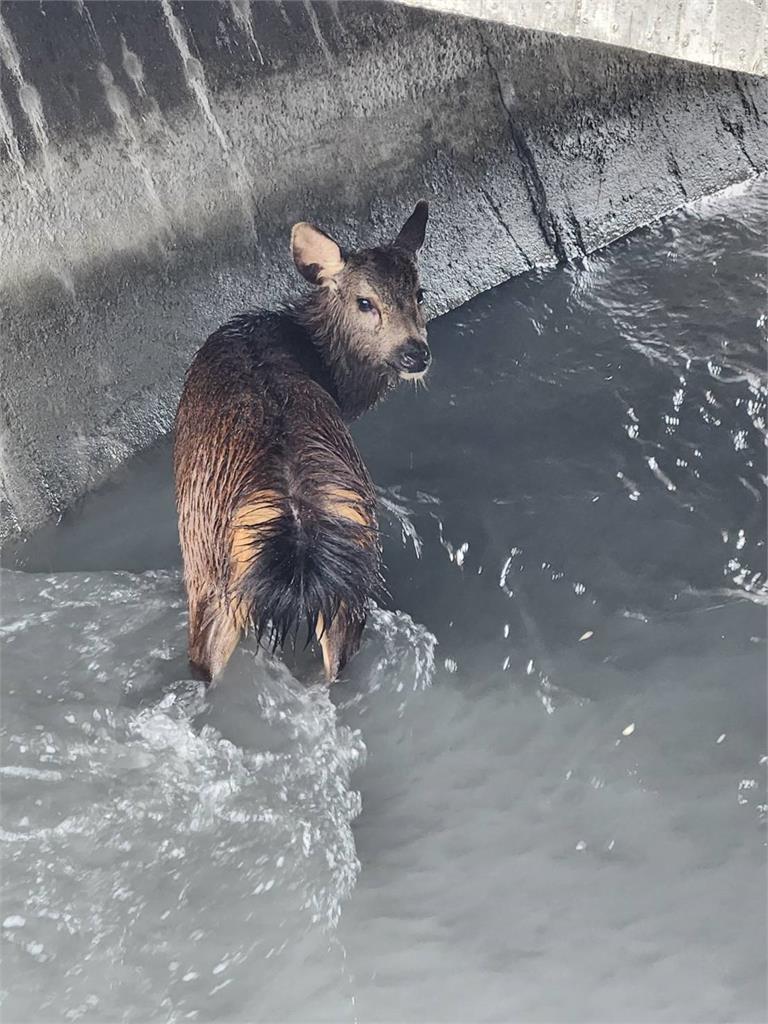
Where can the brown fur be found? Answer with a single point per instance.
(276, 509)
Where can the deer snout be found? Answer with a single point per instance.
(413, 358)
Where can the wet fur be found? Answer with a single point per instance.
(276, 509)
(357, 381)
(277, 513)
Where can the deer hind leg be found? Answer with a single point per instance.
(339, 641)
(197, 634)
(214, 632)
(224, 619)
(218, 613)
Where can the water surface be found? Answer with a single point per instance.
(539, 795)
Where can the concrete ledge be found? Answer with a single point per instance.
(152, 172)
(728, 34)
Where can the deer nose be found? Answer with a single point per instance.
(414, 356)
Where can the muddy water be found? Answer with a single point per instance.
(540, 792)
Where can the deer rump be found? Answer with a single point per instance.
(276, 518)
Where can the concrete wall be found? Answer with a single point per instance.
(155, 156)
(724, 33)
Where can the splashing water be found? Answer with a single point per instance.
(126, 815)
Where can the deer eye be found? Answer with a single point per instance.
(364, 305)
(420, 296)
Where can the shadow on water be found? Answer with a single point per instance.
(538, 795)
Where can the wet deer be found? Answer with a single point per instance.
(277, 512)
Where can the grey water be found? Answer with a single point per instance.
(539, 792)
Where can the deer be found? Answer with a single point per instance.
(276, 509)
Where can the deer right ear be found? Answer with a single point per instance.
(317, 257)
(411, 235)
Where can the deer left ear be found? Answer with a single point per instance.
(411, 235)
(317, 256)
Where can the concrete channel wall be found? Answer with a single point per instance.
(154, 156)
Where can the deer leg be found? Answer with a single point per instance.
(214, 633)
(338, 641)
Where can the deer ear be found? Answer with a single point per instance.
(317, 257)
(411, 235)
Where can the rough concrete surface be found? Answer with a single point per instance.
(156, 154)
(723, 33)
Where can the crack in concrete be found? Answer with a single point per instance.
(497, 212)
(736, 130)
(537, 191)
(670, 159)
(674, 169)
(747, 101)
(573, 220)
(550, 224)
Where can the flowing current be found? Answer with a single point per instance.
(539, 794)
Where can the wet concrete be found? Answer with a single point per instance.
(156, 154)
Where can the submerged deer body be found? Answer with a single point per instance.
(277, 517)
